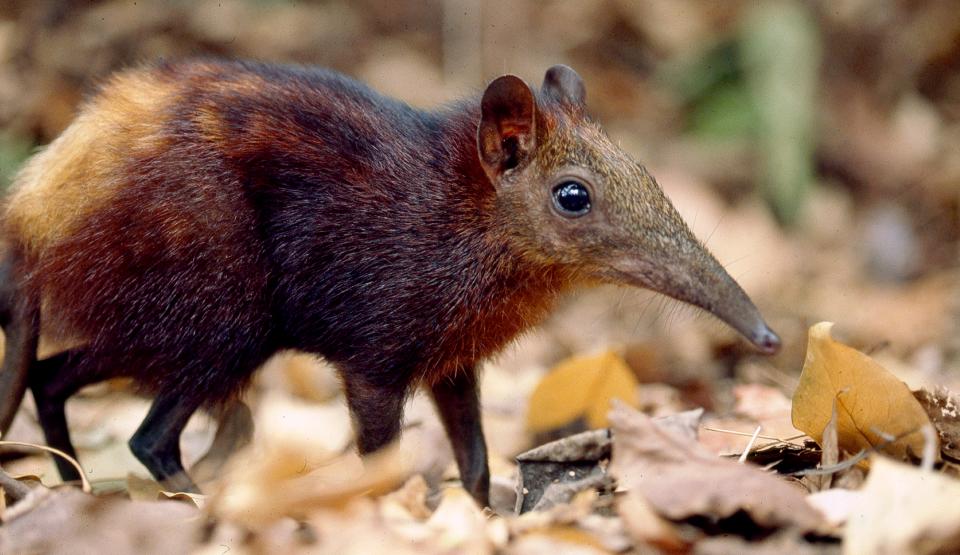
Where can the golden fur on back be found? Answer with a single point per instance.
(77, 173)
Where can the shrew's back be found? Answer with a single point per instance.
(145, 224)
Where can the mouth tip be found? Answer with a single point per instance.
(766, 340)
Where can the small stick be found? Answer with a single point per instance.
(748, 434)
(743, 456)
(84, 483)
(823, 470)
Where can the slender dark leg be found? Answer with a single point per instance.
(8, 285)
(376, 411)
(458, 403)
(20, 316)
(53, 380)
(234, 432)
(156, 442)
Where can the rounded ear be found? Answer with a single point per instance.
(563, 84)
(506, 137)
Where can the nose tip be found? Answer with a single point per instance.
(766, 340)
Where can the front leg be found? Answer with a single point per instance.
(458, 402)
(377, 412)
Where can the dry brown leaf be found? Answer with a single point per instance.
(646, 527)
(262, 487)
(68, 521)
(560, 529)
(358, 529)
(904, 510)
(410, 501)
(872, 404)
(460, 524)
(561, 540)
(562, 468)
(577, 509)
(786, 542)
(142, 489)
(836, 505)
(680, 479)
(943, 408)
(196, 500)
(829, 456)
(581, 387)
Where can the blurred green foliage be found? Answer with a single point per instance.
(760, 85)
(781, 52)
(13, 151)
(714, 88)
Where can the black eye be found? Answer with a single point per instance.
(572, 198)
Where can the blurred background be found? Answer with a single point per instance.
(814, 146)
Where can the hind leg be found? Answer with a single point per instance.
(52, 381)
(20, 319)
(156, 442)
(234, 432)
(55, 379)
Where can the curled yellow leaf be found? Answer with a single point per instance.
(874, 408)
(581, 387)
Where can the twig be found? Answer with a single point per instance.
(887, 440)
(833, 469)
(746, 451)
(748, 434)
(84, 483)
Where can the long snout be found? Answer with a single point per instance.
(694, 276)
(656, 250)
(736, 309)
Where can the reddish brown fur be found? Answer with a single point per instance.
(173, 264)
(199, 217)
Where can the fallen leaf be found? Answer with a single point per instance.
(610, 531)
(829, 455)
(142, 489)
(357, 529)
(561, 492)
(410, 501)
(581, 387)
(564, 528)
(943, 408)
(786, 542)
(836, 505)
(68, 521)
(582, 504)
(646, 526)
(684, 424)
(873, 406)
(562, 467)
(196, 500)
(904, 510)
(680, 479)
(261, 488)
(459, 523)
(566, 540)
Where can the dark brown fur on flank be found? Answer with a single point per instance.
(199, 217)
